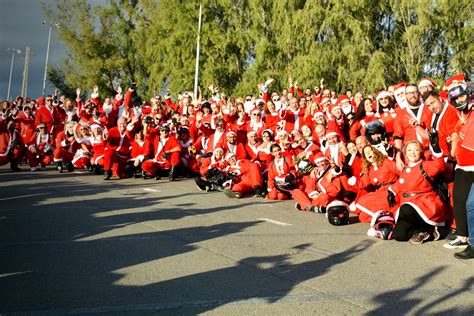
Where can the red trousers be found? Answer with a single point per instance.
(152, 166)
(63, 155)
(14, 159)
(118, 161)
(38, 159)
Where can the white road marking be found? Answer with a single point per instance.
(274, 222)
(150, 190)
(22, 196)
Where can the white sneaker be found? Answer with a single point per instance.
(456, 243)
(33, 169)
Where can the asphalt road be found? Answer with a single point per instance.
(75, 244)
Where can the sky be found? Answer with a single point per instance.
(21, 26)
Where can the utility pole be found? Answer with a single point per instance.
(24, 85)
(196, 74)
(13, 51)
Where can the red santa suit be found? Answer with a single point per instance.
(98, 149)
(141, 150)
(188, 159)
(48, 116)
(404, 131)
(11, 147)
(160, 160)
(237, 149)
(380, 178)
(117, 150)
(413, 189)
(43, 144)
(248, 176)
(277, 171)
(294, 119)
(26, 125)
(66, 147)
(445, 123)
(83, 155)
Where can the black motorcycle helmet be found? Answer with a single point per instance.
(375, 127)
(337, 213)
(458, 91)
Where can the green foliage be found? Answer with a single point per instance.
(362, 44)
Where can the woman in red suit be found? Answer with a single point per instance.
(379, 173)
(278, 169)
(420, 209)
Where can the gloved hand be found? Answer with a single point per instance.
(165, 155)
(434, 140)
(391, 198)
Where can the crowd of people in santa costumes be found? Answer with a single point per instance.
(401, 159)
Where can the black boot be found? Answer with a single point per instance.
(70, 166)
(201, 184)
(259, 191)
(467, 253)
(107, 174)
(172, 174)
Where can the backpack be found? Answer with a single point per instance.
(382, 225)
(439, 184)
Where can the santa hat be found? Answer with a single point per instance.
(251, 132)
(255, 110)
(218, 149)
(319, 157)
(41, 125)
(331, 132)
(318, 113)
(324, 100)
(95, 125)
(269, 131)
(424, 82)
(333, 107)
(228, 156)
(230, 133)
(281, 133)
(40, 101)
(342, 98)
(443, 94)
(400, 87)
(454, 81)
(383, 94)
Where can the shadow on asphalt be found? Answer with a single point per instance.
(54, 256)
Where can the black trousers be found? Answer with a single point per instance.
(409, 223)
(462, 184)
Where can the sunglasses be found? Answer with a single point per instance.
(49, 100)
(256, 114)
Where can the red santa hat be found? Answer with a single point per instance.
(333, 107)
(281, 133)
(383, 94)
(324, 100)
(318, 113)
(342, 98)
(319, 157)
(331, 132)
(40, 101)
(269, 131)
(251, 132)
(95, 125)
(228, 156)
(424, 82)
(454, 81)
(230, 133)
(399, 87)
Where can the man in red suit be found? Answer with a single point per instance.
(118, 141)
(167, 154)
(49, 115)
(11, 144)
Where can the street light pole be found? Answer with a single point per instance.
(47, 57)
(196, 73)
(14, 51)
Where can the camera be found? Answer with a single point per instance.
(148, 119)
